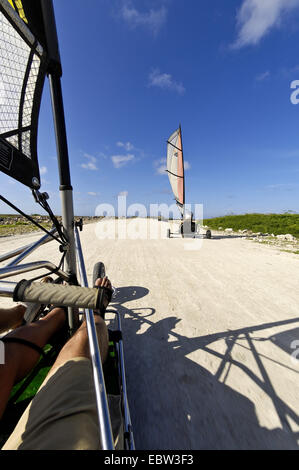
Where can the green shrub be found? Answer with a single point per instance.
(278, 224)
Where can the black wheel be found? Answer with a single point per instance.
(98, 271)
(182, 230)
(209, 234)
(168, 233)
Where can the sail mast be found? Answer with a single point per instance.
(183, 169)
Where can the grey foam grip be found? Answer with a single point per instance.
(54, 294)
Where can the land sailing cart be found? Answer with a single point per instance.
(29, 52)
(188, 228)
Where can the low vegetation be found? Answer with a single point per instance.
(19, 228)
(278, 224)
(11, 224)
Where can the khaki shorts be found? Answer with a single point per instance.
(63, 414)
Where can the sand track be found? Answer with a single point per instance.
(208, 338)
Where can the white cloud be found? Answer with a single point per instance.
(126, 145)
(153, 20)
(289, 71)
(121, 160)
(92, 194)
(91, 164)
(165, 82)
(187, 165)
(123, 193)
(161, 166)
(256, 18)
(102, 155)
(43, 170)
(262, 76)
(281, 186)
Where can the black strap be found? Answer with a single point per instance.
(24, 342)
(30, 219)
(105, 294)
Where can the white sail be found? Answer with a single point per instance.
(175, 167)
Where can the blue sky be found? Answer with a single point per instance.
(134, 69)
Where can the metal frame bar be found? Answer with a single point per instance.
(106, 436)
(128, 428)
(66, 190)
(7, 288)
(128, 423)
(26, 250)
(12, 254)
(25, 268)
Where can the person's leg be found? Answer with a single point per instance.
(78, 345)
(66, 399)
(11, 317)
(20, 359)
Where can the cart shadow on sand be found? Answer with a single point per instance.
(221, 237)
(241, 237)
(179, 404)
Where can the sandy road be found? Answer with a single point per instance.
(208, 337)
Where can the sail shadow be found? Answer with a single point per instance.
(177, 403)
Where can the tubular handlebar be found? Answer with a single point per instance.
(57, 295)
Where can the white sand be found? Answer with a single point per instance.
(207, 336)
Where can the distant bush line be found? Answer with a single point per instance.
(278, 224)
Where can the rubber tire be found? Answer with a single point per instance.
(209, 234)
(98, 271)
(168, 233)
(182, 229)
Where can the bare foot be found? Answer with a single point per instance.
(104, 282)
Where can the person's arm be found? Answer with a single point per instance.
(11, 317)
